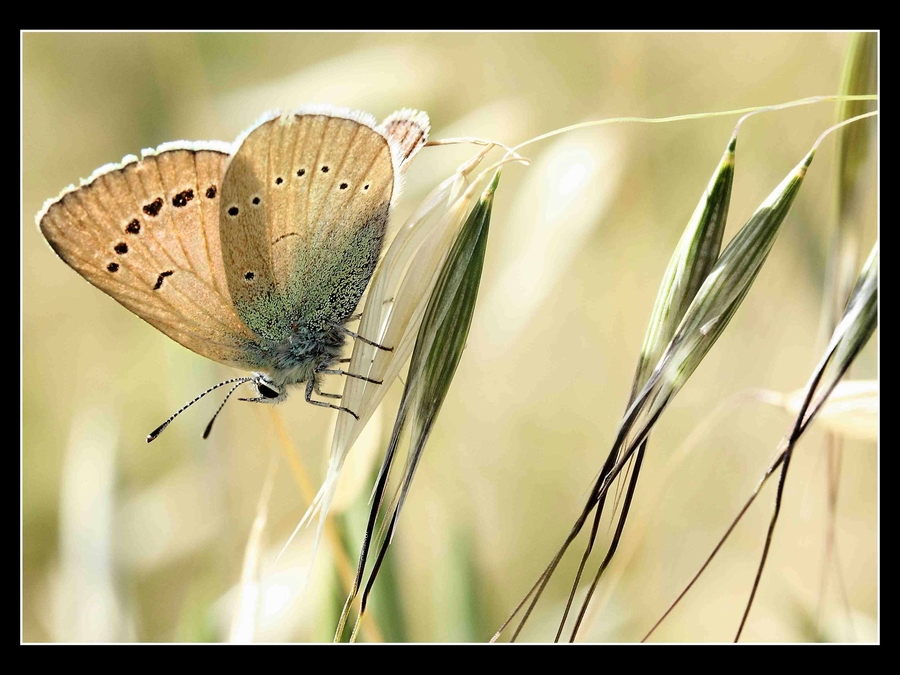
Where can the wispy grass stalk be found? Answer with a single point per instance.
(391, 316)
(710, 311)
(691, 262)
(860, 76)
(438, 349)
(243, 624)
(853, 145)
(696, 116)
(301, 478)
(850, 336)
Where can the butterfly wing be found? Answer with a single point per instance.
(407, 131)
(146, 232)
(305, 205)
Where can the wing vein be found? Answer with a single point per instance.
(315, 171)
(200, 209)
(167, 205)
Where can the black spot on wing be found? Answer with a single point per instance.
(153, 208)
(182, 198)
(159, 279)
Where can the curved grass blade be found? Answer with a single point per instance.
(850, 336)
(691, 262)
(436, 355)
(710, 311)
(394, 305)
(853, 145)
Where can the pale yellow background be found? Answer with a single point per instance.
(125, 541)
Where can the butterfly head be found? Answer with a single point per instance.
(266, 390)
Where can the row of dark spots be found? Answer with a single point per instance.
(234, 210)
(302, 172)
(153, 208)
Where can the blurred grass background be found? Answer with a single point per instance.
(125, 541)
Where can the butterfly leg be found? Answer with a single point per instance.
(335, 371)
(322, 393)
(357, 336)
(309, 391)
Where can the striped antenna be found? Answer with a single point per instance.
(227, 396)
(240, 380)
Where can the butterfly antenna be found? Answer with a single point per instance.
(227, 396)
(156, 432)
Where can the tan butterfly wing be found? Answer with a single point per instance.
(146, 232)
(305, 203)
(407, 131)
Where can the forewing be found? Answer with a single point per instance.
(305, 205)
(146, 232)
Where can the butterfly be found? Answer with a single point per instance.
(253, 254)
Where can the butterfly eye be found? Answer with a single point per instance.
(267, 392)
